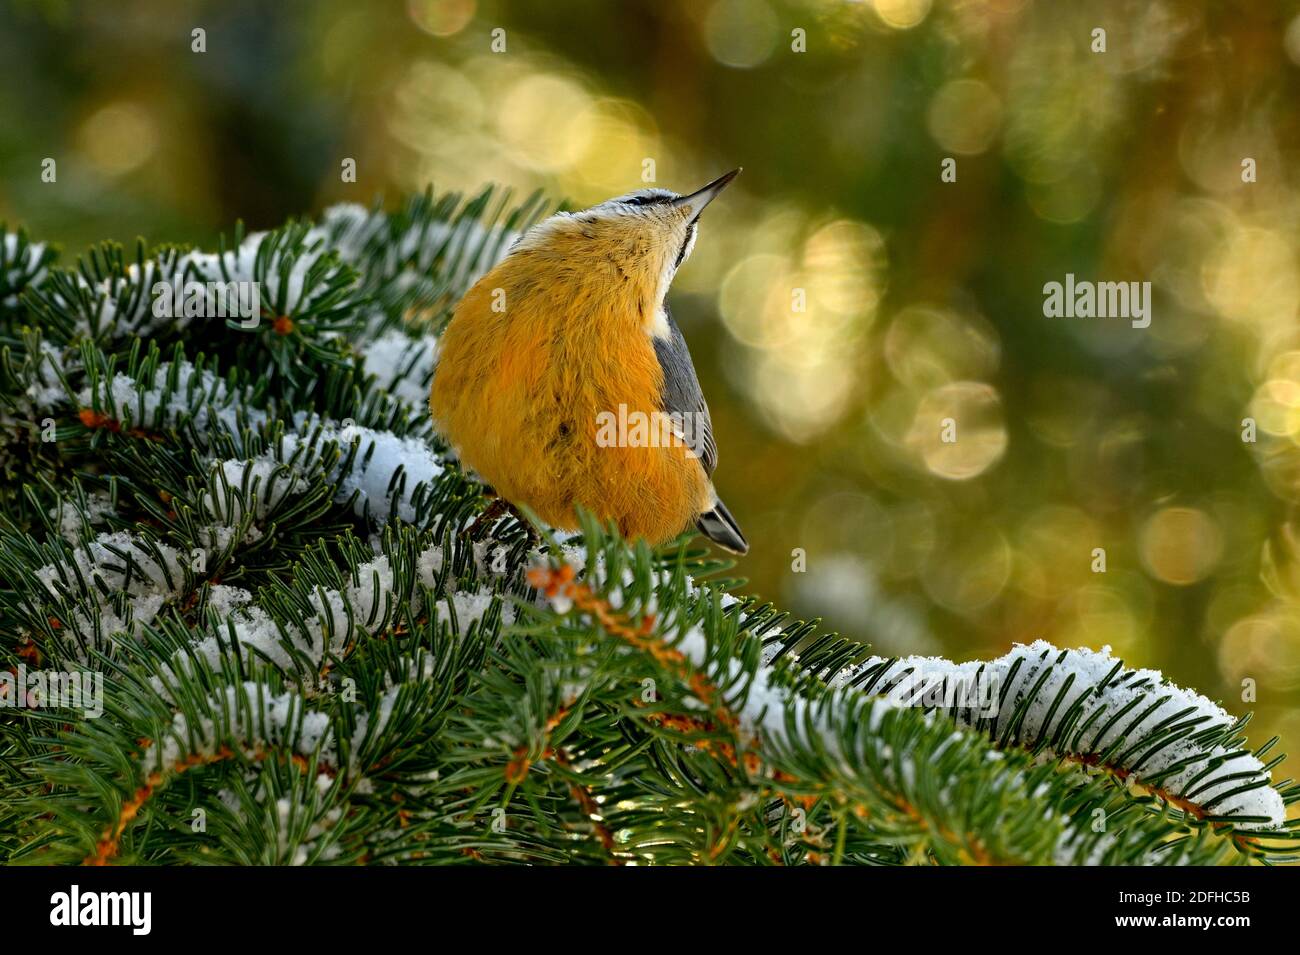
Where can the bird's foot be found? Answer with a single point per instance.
(497, 509)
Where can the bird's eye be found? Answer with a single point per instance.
(637, 200)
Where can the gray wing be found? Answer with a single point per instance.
(681, 395)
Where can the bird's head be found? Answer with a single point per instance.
(638, 240)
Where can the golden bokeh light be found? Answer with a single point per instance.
(802, 320)
(958, 430)
(902, 14)
(545, 121)
(970, 571)
(1276, 406)
(1252, 277)
(1291, 40)
(842, 261)
(118, 138)
(965, 116)
(756, 301)
(619, 136)
(1181, 545)
(1068, 200)
(441, 18)
(927, 346)
(1057, 119)
(741, 33)
(1263, 647)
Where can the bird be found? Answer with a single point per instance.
(563, 381)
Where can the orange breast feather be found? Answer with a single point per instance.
(519, 393)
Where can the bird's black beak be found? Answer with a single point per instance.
(697, 200)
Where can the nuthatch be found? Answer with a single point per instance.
(563, 381)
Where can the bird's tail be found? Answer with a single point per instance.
(719, 526)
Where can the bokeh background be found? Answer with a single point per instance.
(924, 298)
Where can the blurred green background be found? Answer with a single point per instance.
(924, 298)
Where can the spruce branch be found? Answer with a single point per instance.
(252, 536)
(839, 745)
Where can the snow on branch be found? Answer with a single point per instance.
(403, 365)
(327, 620)
(99, 575)
(1083, 705)
(295, 270)
(427, 237)
(386, 473)
(108, 300)
(379, 471)
(23, 264)
(177, 394)
(836, 739)
(250, 715)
